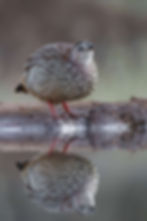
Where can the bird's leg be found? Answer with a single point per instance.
(52, 110)
(67, 144)
(67, 109)
(52, 146)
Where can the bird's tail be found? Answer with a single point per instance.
(20, 88)
(21, 165)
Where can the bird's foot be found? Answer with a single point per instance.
(68, 110)
(52, 146)
(53, 111)
(65, 147)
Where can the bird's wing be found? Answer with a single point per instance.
(48, 52)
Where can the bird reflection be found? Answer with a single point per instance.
(61, 182)
(66, 144)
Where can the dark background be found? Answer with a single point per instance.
(119, 31)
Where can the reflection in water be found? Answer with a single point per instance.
(61, 182)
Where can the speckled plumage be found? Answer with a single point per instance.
(56, 73)
(61, 183)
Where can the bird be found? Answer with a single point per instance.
(60, 72)
(60, 183)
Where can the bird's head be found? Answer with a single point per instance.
(83, 52)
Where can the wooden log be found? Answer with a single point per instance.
(97, 125)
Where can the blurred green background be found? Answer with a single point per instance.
(119, 30)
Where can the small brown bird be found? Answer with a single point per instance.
(60, 72)
(61, 183)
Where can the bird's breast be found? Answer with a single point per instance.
(59, 81)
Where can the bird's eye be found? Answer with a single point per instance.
(80, 48)
(84, 46)
(90, 46)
